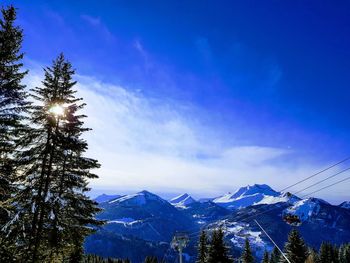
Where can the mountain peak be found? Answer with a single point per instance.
(139, 198)
(182, 200)
(145, 192)
(247, 195)
(105, 198)
(345, 204)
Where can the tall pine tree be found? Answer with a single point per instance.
(295, 248)
(328, 253)
(265, 257)
(151, 259)
(54, 209)
(202, 248)
(247, 255)
(218, 251)
(12, 106)
(344, 253)
(312, 257)
(275, 255)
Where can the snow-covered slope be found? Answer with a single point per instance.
(250, 195)
(345, 204)
(149, 221)
(105, 198)
(139, 198)
(144, 215)
(305, 208)
(182, 201)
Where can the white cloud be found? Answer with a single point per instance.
(147, 143)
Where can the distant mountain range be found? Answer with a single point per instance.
(143, 223)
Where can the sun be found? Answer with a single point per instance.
(57, 110)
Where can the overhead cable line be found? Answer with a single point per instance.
(315, 174)
(323, 180)
(272, 241)
(327, 187)
(196, 233)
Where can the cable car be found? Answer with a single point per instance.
(292, 220)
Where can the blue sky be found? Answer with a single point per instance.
(203, 96)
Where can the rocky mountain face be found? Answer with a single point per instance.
(144, 224)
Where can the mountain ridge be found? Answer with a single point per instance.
(152, 220)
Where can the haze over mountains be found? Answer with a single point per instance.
(144, 223)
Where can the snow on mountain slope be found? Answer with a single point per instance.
(144, 215)
(238, 232)
(139, 198)
(182, 201)
(345, 204)
(306, 208)
(105, 198)
(246, 196)
(285, 197)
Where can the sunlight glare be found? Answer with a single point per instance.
(57, 110)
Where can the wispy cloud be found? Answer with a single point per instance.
(97, 24)
(148, 143)
(94, 21)
(143, 53)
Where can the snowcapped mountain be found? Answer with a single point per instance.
(140, 198)
(345, 205)
(144, 217)
(205, 212)
(250, 195)
(143, 214)
(306, 208)
(143, 223)
(182, 201)
(105, 198)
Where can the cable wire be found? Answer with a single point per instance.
(327, 187)
(311, 176)
(323, 180)
(196, 233)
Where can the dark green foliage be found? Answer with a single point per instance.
(202, 248)
(275, 255)
(12, 107)
(218, 251)
(98, 259)
(54, 210)
(151, 259)
(328, 253)
(295, 248)
(266, 257)
(247, 256)
(344, 253)
(312, 257)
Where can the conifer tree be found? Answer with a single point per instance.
(295, 248)
(218, 251)
(312, 257)
(275, 255)
(247, 255)
(202, 248)
(328, 253)
(151, 259)
(344, 253)
(12, 106)
(98, 259)
(54, 209)
(265, 257)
